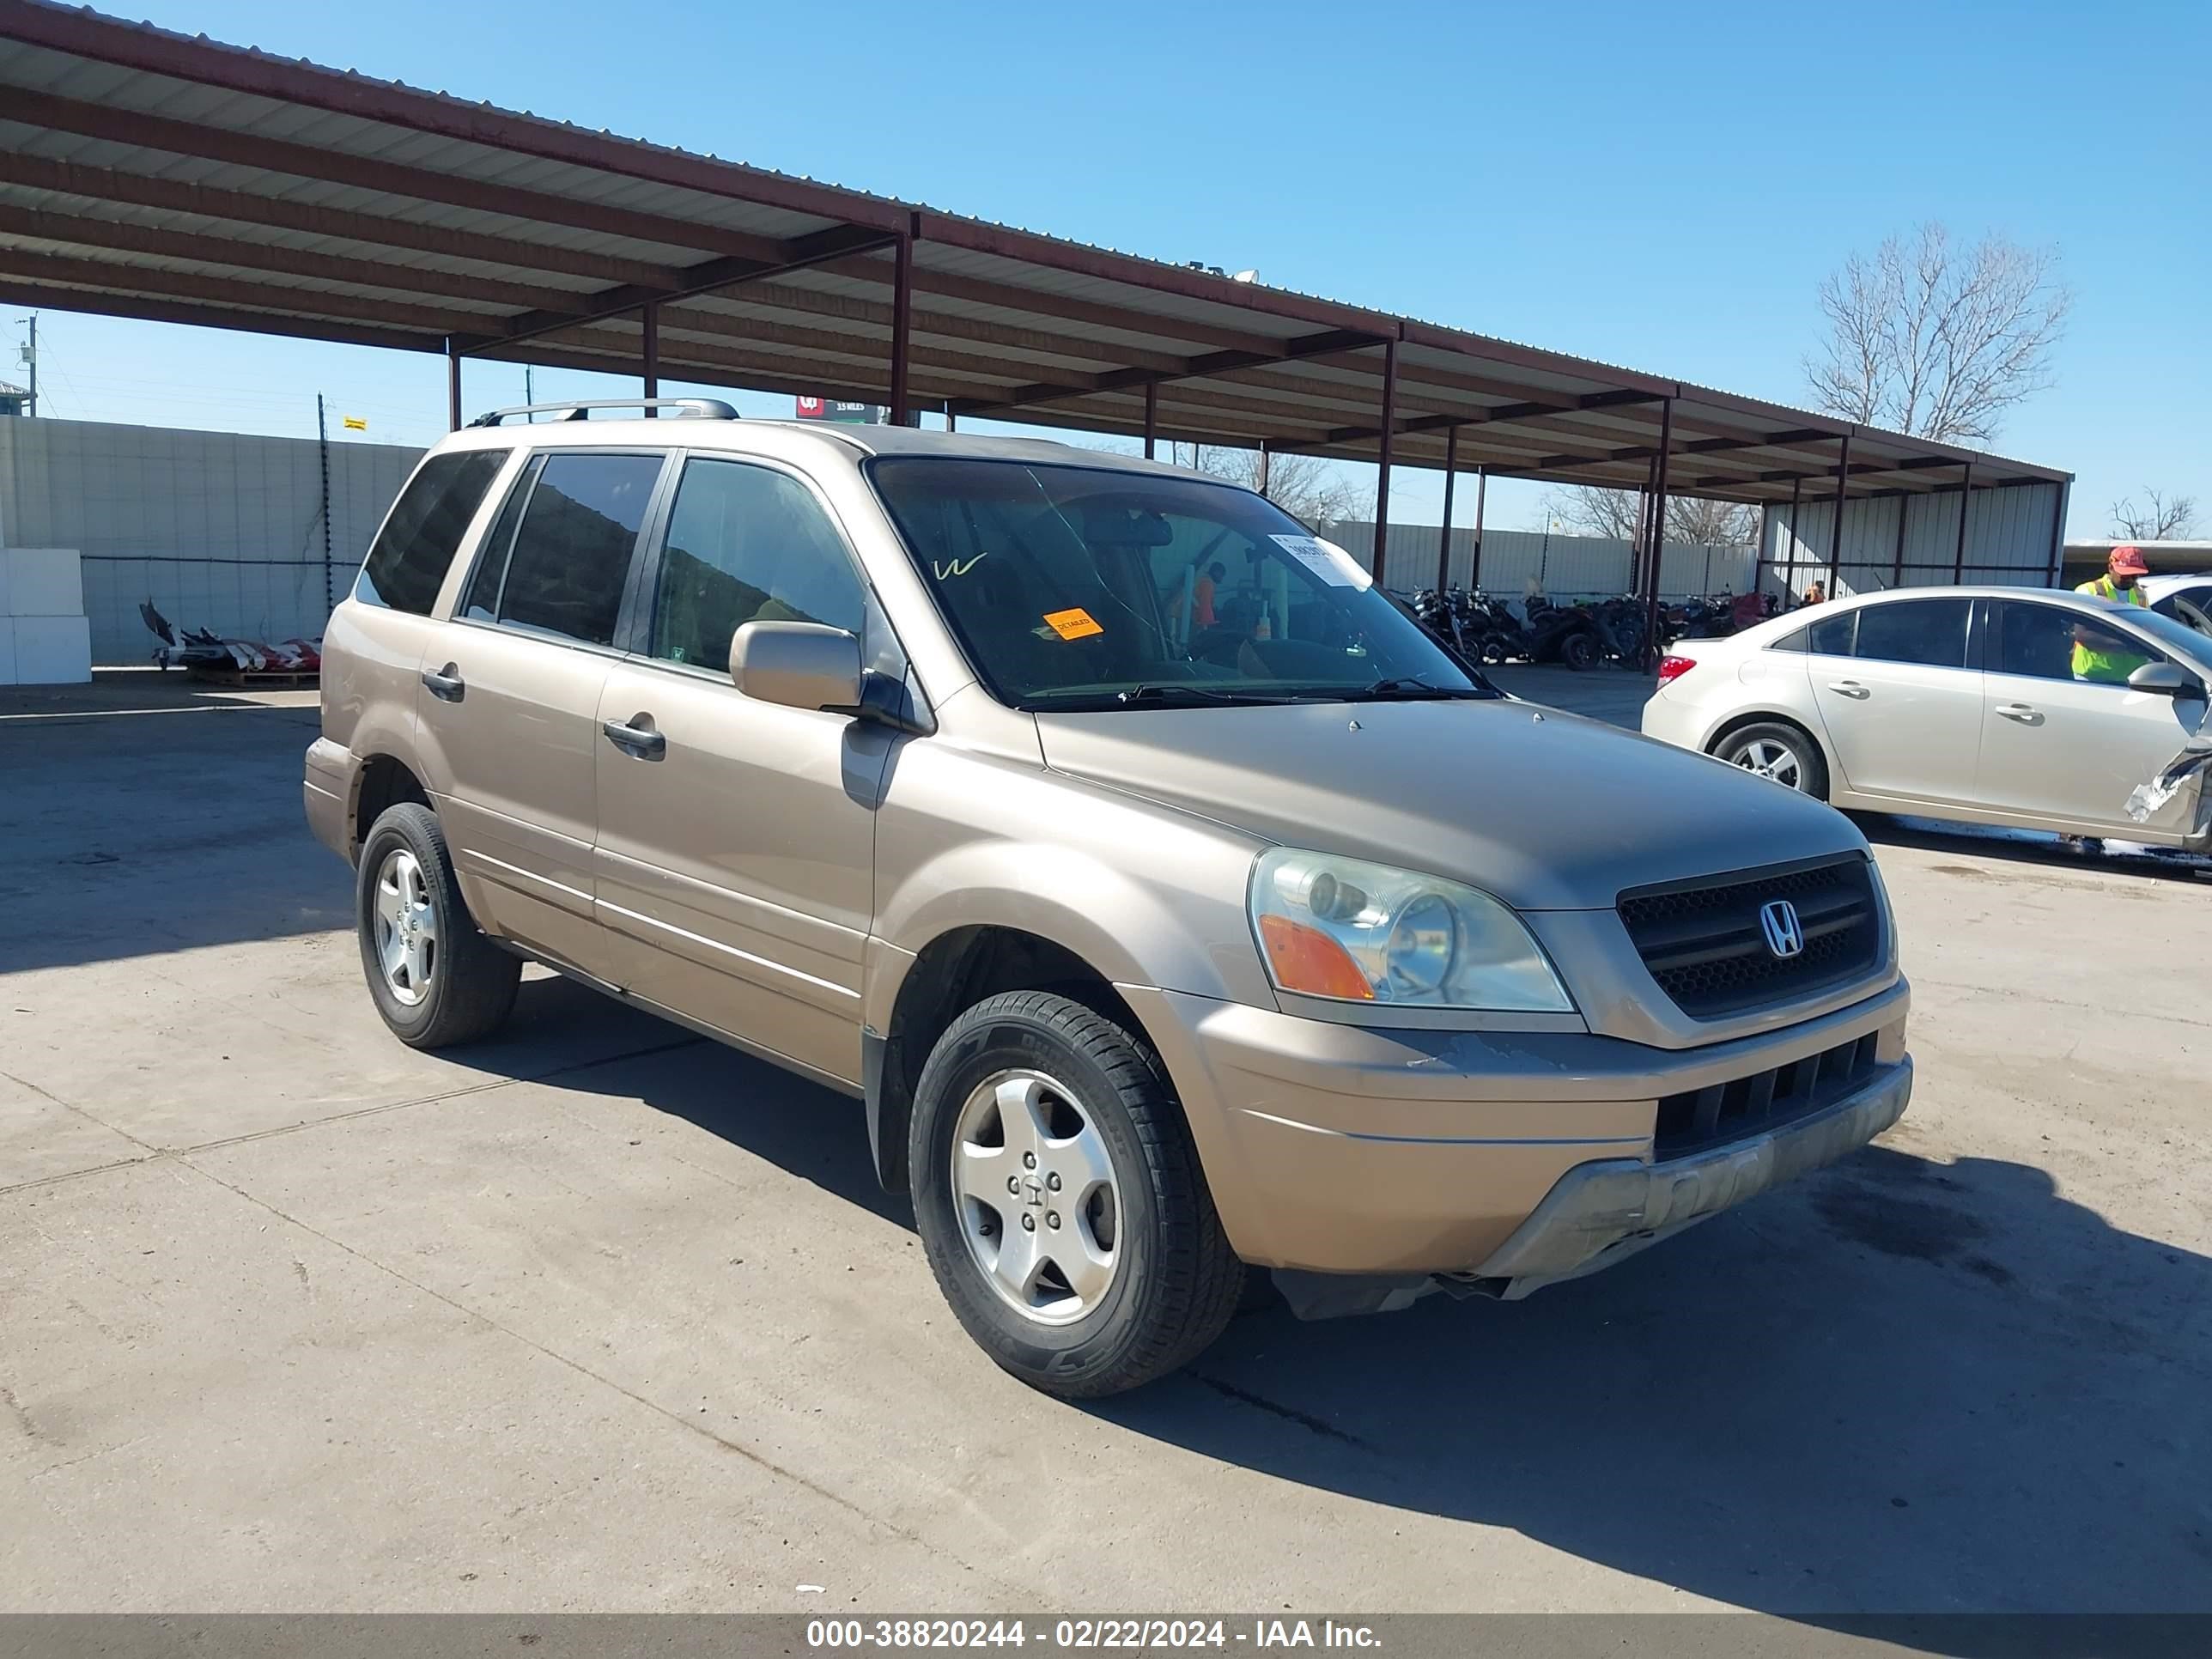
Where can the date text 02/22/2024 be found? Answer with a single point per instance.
(1085, 1635)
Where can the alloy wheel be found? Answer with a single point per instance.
(1034, 1189)
(1769, 758)
(406, 927)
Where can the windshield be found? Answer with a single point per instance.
(2175, 635)
(1079, 587)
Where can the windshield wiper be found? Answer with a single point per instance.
(1406, 687)
(1172, 690)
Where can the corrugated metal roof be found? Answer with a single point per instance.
(146, 173)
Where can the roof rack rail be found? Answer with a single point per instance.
(695, 409)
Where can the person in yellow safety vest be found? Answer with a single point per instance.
(2122, 583)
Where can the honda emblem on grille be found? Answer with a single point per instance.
(1785, 934)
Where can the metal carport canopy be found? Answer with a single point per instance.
(145, 173)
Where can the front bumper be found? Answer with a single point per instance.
(1350, 1150)
(1603, 1211)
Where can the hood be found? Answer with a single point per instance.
(1546, 811)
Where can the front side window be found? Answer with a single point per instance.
(416, 547)
(1928, 632)
(570, 558)
(1074, 587)
(2050, 643)
(747, 543)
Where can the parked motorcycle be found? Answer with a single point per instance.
(1564, 633)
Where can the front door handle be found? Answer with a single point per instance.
(636, 738)
(446, 683)
(1849, 689)
(2025, 714)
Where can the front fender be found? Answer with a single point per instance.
(1145, 894)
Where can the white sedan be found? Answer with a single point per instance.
(2039, 709)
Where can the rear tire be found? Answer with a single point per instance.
(1045, 1133)
(437, 978)
(1772, 749)
(1579, 651)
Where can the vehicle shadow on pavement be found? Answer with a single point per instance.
(2028, 848)
(1900, 1385)
(1897, 1385)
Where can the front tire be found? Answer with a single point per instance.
(1579, 651)
(435, 977)
(1060, 1200)
(1781, 752)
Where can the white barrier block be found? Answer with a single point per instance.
(52, 650)
(42, 581)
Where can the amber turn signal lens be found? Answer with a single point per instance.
(1306, 959)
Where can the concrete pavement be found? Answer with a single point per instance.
(599, 1316)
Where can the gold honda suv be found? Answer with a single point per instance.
(1175, 904)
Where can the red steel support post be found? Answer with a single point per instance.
(1482, 489)
(2058, 534)
(901, 321)
(1959, 551)
(1897, 559)
(1383, 454)
(1444, 540)
(1836, 534)
(1658, 527)
(1790, 571)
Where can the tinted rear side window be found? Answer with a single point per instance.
(1930, 632)
(416, 547)
(572, 552)
(1831, 637)
(481, 602)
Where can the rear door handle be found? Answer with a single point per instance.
(2025, 714)
(1849, 689)
(446, 683)
(637, 737)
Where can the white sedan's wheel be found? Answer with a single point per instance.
(1770, 759)
(1779, 753)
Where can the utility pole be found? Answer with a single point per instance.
(31, 356)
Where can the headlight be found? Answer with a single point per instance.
(1357, 932)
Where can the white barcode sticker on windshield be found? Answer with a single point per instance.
(1325, 559)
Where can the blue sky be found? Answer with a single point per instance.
(1657, 186)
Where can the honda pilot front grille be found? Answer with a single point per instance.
(1769, 936)
(1699, 1118)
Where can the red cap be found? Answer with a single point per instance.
(2129, 561)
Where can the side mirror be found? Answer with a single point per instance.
(799, 665)
(2163, 679)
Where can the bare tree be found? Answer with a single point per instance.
(2167, 519)
(1309, 488)
(1589, 510)
(1938, 342)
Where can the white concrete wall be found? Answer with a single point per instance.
(219, 530)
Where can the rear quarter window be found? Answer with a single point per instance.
(408, 563)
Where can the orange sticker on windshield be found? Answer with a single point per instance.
(1073, 624)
